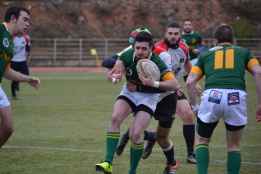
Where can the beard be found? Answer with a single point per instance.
(173, 45)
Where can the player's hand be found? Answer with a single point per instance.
(198, 90)
(145, 80)
(34, 82)
(131, 87)
(258, 114)
(114, 75)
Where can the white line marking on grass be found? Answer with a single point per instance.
(214, 161)
(72, 78)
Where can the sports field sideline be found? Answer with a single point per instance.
(61, 129)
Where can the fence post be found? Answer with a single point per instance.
(80, 51)
(106, 48)
(54, 51)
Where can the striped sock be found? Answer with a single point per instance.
(112, 139)
(135, 156)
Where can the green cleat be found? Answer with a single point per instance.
(104, 167)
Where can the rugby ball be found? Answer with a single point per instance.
(149, 69)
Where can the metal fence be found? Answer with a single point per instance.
(90, 52)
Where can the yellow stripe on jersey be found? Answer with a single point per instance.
(168, 76)
(229, 59)
(251, 63)
(219, 58)
(196, 70)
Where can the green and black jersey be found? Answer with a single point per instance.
(6, 49)
(130, 63)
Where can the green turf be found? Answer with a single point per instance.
(60, 129)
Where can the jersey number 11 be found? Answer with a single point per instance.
(224, 59)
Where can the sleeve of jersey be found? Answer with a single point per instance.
(197, 68)
(168, 76)
(251, 63)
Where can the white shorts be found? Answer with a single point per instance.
(4, 102)
(229, 104)
(149, 100)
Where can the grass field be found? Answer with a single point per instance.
(60, 129)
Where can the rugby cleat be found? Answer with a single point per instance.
(191, 159)
(171, 168)
(104, 167)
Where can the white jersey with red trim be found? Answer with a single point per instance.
(21, 48)
(174, 58)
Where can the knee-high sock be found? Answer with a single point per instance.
(135, 156)
(189, 135)
(202, 156)
(112, 139)
(169, 154)
(233, 162)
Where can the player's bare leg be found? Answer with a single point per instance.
(6, 128)
(168, 149)
(140, 123)
(121, 111)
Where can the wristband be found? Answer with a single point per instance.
(156, 84)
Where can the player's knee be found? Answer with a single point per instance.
(116, 120)
(162, 140)
(188, 117)
(233, 146)
(135, 137)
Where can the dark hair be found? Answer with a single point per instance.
(14, 11)
(224, 33)
(187, 20)
(173, 25)
(144, 37)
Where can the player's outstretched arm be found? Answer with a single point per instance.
(11, 74)
(257, 76)
(193, 90)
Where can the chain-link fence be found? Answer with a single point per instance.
(90, 52)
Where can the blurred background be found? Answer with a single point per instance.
(82, 32)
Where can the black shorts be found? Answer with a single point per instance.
(21, 67)
(166, 108)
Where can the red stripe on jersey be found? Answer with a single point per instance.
(160, 47)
